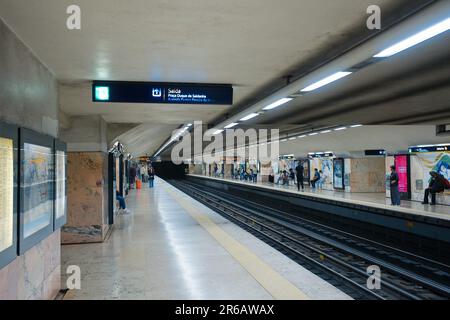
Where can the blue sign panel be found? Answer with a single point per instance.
(430, 148)
(155, 92)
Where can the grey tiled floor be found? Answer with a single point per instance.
(160, 252)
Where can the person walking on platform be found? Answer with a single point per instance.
(315, 179)
(151, 177)
(436, 185)
(132, 176)
(393, 182)
(299, 171)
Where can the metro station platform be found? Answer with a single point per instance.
(373, 200)
(172, 247)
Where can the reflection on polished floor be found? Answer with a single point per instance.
(378, 200)
(160, 251)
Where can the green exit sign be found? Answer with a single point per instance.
(101, 93)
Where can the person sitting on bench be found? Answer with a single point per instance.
(436, 185)
(122, 205)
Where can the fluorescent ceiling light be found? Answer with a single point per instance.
(250, 116)
(340, 129)
(283, 140)
(356, 126)
(327, 80)
(415, 39)
(218, 131)
(302, 136)
(277, 103)
(293, 138)
(313, 134)
(325, 131)
(231, 125)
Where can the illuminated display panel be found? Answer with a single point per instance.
(60, 196)
(6, 193)
(37, 188)
(37, 185)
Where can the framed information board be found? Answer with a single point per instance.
(8, 193)
(36, 188)
(60, 186)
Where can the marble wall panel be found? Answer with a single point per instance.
(87, 202)
(368, 175)
(34, 275)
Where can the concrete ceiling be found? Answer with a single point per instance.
(411, 87)
(245, 43)
(143, 139)
(353, 141)
(250, 44)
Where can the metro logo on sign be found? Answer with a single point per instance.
(157, 92)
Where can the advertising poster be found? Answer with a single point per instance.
(61, 197)
(338, 173)
(421, 165)
(401, 166)
(324, 164)
(6, 193)
(117, 167)
(37, 166)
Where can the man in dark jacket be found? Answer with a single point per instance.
(393, 181)
(299, 171)
(436, 185)
(315, 178)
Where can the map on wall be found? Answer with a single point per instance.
(37, 185)
(61, 197)
(6, 193)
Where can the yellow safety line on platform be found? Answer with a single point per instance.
(278, 286)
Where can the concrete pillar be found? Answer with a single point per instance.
(87, 184)
(227, 172)
(266, 169)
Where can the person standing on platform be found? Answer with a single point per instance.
(299, 171)
(144, 172)
(255, 175)
(151, 177)
(393, 182)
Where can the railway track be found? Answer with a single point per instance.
(336, 256)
